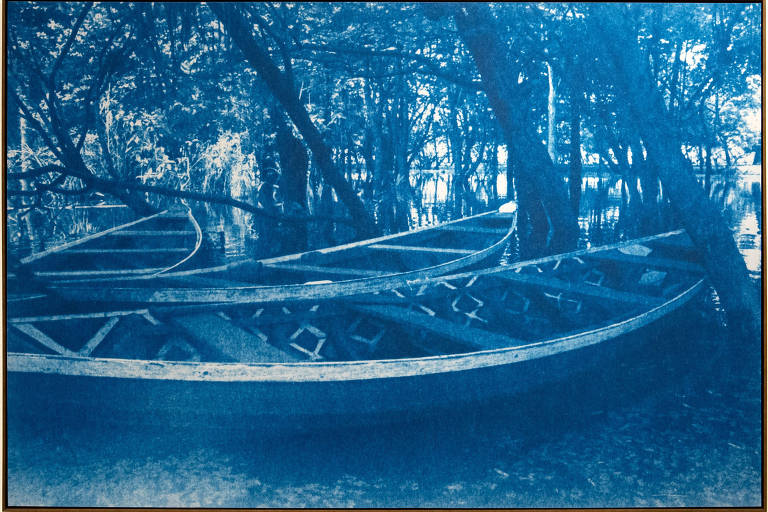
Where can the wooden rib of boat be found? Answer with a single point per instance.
(461, 337)
(358, 267)
(145, 247)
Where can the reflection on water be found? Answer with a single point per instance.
(35, 230)
(610, 210)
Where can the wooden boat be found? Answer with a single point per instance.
(358, 267)
(464, 337)
(145, 247)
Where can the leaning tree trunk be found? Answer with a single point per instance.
(538, 175)
(286, 94)
(293, 179)
(703, 222)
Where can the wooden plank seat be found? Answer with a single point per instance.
(151, 232)
(647, 261)
(407, 248)
(88, 238)
(318, 269)
(475, 229)
(147, 250)
(477, 339)
(589, 290)
(229, 341)
(89, 273)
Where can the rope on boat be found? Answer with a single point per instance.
(198, 243)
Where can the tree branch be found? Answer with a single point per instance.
(68, 45)
(97, 84)
(430, 66)
(278, 85)
(109, 186)
(35, 123)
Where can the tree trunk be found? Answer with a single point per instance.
(574, 178)
(708, 170)
(538, 176)
(285, 93)
(511, 192)
(492, 171)
(551, 114)
(23, 153)
(23, 184)
(703, 222)
(294, 167)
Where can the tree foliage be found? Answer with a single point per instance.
(159, 94)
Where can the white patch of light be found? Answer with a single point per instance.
(501, 184)
(590, 158)
(501, 155)
(226, 156)
(441, 190)
(438, 147)
(752, 115)
(591, 181)
(615, 190)
(694, 56)
(749, 228)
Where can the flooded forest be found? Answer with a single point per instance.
(286, 128)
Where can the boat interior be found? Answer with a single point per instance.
(486, 309)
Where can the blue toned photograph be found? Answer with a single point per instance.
(372, 255)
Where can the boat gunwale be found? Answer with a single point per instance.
(337, 371)
(138, 272)
(298, 291)
(198, 244)
(298, 256)
(87, 238)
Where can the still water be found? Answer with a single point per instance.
(679, 428)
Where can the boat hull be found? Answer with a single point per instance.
(148, 290)
(284, 405)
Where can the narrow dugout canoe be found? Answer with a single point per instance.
(360, 267)
(459, 338)
(145, 247)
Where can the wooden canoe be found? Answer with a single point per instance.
(359, 267)
(463, 337)
(145, 247)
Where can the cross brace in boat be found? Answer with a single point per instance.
(581, 289)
